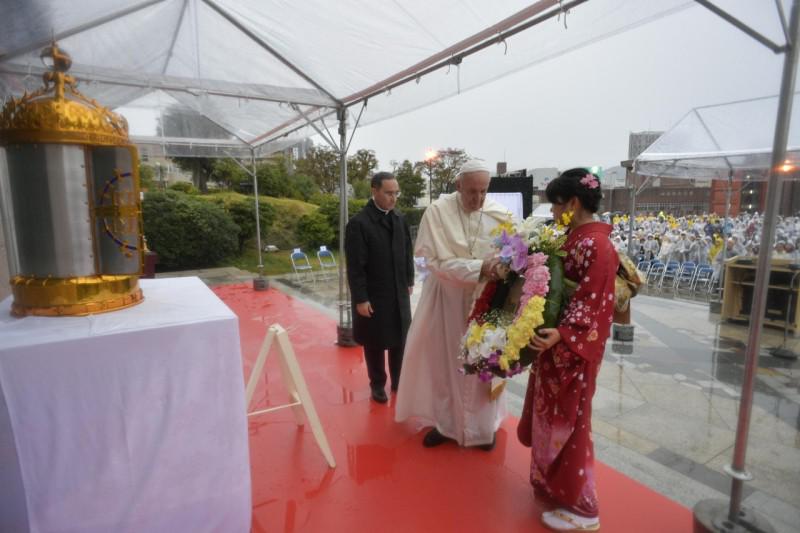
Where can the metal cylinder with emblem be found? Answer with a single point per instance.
(69, 197)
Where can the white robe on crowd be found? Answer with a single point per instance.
(432, 388)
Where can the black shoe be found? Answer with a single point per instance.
(488, 447)
(379, 395)
(434, 438)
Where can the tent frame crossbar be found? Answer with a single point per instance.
(175, 35)
(263, 44)
(456, 53)
(171, 83)
(312, 123)
(778, 49)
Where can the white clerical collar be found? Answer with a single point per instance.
(384, 211)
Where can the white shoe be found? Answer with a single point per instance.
(563, 520)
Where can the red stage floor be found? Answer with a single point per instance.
(385, 481)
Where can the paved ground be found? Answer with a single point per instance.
(666, 407)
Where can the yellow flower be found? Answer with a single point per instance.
(507, 226)
(566, 218)
(476, 332)
(503, 362)
(519, 333)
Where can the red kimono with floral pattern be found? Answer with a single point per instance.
(556, 419)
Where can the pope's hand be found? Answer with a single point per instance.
(489, 268)
(545, 339)
(364, 309)
(501, 270)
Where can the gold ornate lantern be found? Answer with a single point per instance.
(69, 195)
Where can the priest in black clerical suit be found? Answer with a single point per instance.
(380, 270)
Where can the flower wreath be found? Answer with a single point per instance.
(496, 340)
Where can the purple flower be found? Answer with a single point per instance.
(514, 251)
(485, 376)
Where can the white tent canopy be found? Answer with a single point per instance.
(711, 141)
(190, 74)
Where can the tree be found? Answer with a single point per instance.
(314, 230)
(200, 167)
(146, 177)
(303, 187)
(243, 214)
(177, 121)
(411, 182)
(362, 189)
(329, 208)
(361, 165)
(228, 174)
(444, 168)
(322, 165)
(273, 179)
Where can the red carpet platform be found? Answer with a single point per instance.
(385, 481)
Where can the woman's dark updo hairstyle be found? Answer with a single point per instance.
(568, 185)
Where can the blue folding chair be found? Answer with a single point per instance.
(685, 276)
(302, 267)
(655, 272)
(702, 279)
(327, 263)
(644, 267)
(668, 275)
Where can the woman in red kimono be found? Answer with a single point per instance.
(556, 419)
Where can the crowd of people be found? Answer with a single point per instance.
(699, 238)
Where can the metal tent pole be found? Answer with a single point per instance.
(725, 236)
(259, 283)
(632, 219)
(709, 514)
(774, 182)
(344, 331)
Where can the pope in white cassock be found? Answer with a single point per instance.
(454, 239)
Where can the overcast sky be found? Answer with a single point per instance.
(579, 108)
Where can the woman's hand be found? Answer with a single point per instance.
(545, 339)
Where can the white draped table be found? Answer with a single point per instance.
(131, 421)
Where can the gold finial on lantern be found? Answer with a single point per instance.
(58, 112)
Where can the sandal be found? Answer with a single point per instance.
(563, 520)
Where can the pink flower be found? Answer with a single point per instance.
(536, 281)
(536, 260)
(590, 181)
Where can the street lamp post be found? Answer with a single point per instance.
(430, 157)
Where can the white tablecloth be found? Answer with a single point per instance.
(126, 421)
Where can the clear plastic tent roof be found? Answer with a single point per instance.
(238, 74)
(710, 141)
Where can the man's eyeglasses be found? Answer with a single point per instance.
(395, 194)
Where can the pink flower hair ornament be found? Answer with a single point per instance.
(590, 181)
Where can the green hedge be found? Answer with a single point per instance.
(187, 232)
(329, 207)
(183, 186)
(413, 215)
(313, 230)
(243, 213)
